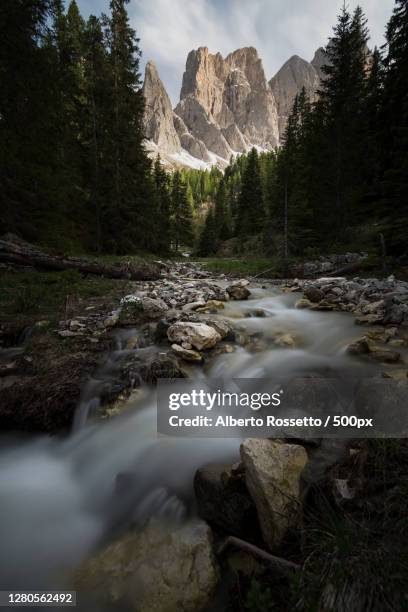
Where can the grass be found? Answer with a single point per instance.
(242, 267)
(44, 294)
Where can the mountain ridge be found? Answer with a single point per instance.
(226, 106)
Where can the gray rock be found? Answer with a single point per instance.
(272, 474)
(158, 117)
(187, 353)
(295, 74)
(160, 569)
(199, 335)
(313, 294)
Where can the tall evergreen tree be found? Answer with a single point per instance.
(182, 216)
(208, 237)
(127, 214)
(96, 121)
(163, 219)
(394, 132)
(221, 213)
(341, 98)
(27, 110)
(251, 210)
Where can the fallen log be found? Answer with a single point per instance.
(15, 251)
(348, 269)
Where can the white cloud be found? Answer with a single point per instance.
(169, 29)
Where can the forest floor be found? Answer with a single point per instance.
(47, 375)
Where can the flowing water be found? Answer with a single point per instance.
(59, 498)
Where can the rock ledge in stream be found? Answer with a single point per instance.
(158, 569)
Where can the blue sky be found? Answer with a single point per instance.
(169, 29)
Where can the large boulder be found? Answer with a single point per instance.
(199, 335)
(158, 569)
(273, 471)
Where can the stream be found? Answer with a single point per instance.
(59, 496)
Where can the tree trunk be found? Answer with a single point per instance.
(13, 250)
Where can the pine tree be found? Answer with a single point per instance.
(182, 217)
(163, 220)
(27, 111)
(394, 132)
(251, 210)
(221, 214)
(208, 237)
(127, 215)
(96, 88)
(342, 96)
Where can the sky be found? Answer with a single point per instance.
(278, 29)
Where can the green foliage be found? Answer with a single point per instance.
(73, 170)
(162, 239)
(251, 212)
(181, 214)
(242, 267)
(45, 293)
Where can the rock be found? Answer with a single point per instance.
(223, 500)
(374, 308)
(159, 569)
(303, 303)
(370, 319)
(238, 291)
(295, 74)
(221, 326)
(319, 60)
(397, 375)
(385, 356)
(193, 305)
(158, 117)
(398, 343)
(67, 333)
(313, 294)
(233, 97)
(112, 320)
(359, 347)
(210, 306)
(199, 335)
(143, 307)
(287, 340)
(323, 306)
(187, 354)
(272, 475)
(161, 366)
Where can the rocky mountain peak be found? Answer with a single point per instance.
(295, 74)
(226, 105)
(319, 60)
(158, 119)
